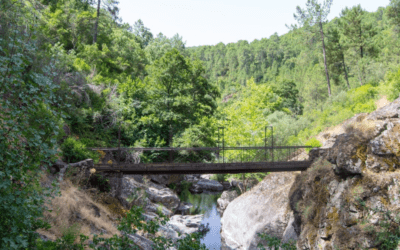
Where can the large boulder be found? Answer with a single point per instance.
(342, 152)
(225, 199)
(163, 195)
(264, 209)
(185, 224)
(387, 142)
(140, 241)
(209, 185)
(130, 190)
(392, 110)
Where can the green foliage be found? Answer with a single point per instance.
(218, 177)
(287, 90)
(202, 203)
(66, 242)
(314, 143)
(74, 150)
(391, 84)
(387, 233)
(29, 125)
(275, 243)
(51, 73)
(100, 182)
(130, 224)
(393, 11)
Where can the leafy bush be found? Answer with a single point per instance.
(100, 182)
(387, 234)
(275, 243)
(391, 85)
(218, 177)
(74, 150)
(314, 143)
(30, 115)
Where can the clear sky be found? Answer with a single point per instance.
(208, 22)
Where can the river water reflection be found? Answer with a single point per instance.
(206, 203)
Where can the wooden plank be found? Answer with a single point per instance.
(191, 168)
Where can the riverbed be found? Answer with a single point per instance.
(206, 203)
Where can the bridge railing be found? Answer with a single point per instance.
(201, 155)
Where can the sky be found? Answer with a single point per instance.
(208, 22)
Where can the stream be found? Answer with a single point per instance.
(206, 203)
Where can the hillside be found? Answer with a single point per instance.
(74, 76)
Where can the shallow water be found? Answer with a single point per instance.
(206, 203)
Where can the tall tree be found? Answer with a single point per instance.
(314, 17)
(112, 7)
(393, 11)
(178, 95)
(335, 54)
(143, 33)
(357, 34)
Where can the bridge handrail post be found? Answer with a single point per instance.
(222, 129)
(265, 143)
(272, 128)
(223, 145)
(119, 143)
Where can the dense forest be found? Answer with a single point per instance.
(73, 74)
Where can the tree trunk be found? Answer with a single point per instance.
(96, 24)
(345, 72)
(325, 64)
(361, 51)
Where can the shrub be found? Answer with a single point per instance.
(100, 182)
(391, 85)
(218, 177)
(74, 150)
(314, 143)
(275, 243)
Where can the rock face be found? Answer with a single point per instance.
(185, 224)
(209, 185)
(152, 196)
(264, 209)
(163, 195)
(184, 208)
(61, 167)
(225, 199)
(362, 164)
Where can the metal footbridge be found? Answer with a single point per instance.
(202, 160)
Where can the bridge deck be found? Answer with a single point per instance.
(202, 168)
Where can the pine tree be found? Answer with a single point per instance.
(357, 35)
(314, 17)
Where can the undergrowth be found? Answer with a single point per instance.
(274, 243)
(133, 222)
(387, 233)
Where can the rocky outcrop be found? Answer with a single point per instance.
(353, 181)
(60, 167)
(264, 209)
(185, 224)
(140, 241)
(152, 196)
(163, 195)
(184, 208)
(209, 185)
(225, 199)
(349, 188)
